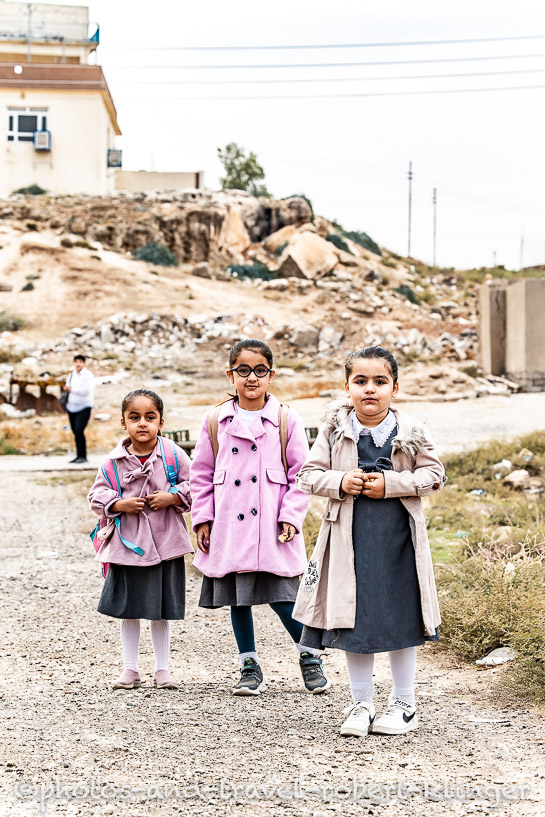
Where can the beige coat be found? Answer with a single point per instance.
(327, 594)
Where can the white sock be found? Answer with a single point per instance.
(244, 655)
(360, 673)
(301, 649)
(130, 639)
(403, 669)
(160, 638)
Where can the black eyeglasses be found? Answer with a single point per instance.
(245, 371)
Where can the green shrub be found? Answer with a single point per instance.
(252, 271)
(10, 322)
(67, 242)
(363, 240)
(83, 244)
(31, 226)
(33, 190)
(338, 242)
(6, 448)
(408, 293)
(27, 287)
(155, 253)
(305, 198)
(32, 277)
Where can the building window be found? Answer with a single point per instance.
(22, 122)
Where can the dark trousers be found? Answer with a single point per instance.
(78, 421)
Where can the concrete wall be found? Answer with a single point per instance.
(143, 181)
(492, 310)
(81, 133)
(521, 344)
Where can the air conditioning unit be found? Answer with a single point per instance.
(42, 140)
(114, 157)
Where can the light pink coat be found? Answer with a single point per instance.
(161, 534)
(247, 495)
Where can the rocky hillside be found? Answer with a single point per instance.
(241, 266)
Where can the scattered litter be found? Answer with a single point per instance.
(504, 721)
(103, 418)
(526, 455)
(498, 656)
(460, 534)
(478, 491)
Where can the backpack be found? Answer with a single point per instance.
(109, 470)
(212, 425)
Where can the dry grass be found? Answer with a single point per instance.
(52, 435)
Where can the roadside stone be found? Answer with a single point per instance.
(519, 479)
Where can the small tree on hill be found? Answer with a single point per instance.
(242, 172)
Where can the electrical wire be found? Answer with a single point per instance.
(320, 46)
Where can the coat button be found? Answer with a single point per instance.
(254, 511)
(254, 479)
(237, 482)
(240, 516)
(234, 450)
(254, 447)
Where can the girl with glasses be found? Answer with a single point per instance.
(248, 513)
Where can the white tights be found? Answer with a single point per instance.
(402, 667)
(130, 639)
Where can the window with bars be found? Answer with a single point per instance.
(22, 122)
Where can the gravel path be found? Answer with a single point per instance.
(64, 727)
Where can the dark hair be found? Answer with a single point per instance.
(253, 344)
(151, 395)
(80, 357)
(371, 353)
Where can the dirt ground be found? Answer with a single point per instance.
(71, 746)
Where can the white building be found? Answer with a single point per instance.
(58, 122)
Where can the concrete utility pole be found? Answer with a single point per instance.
(410, 206)
(434, 225)
(521, 248)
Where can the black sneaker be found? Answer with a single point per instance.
(251, 679)
(312, 670)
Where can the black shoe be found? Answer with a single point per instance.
(78, 460)
(312, 670)
(251, 679)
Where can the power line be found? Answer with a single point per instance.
(284, 97)
(308, 46)
(326, 79)
(292, 65)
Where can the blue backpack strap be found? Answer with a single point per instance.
(170, 463)
(112, 477)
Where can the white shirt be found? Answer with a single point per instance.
(379, 433)
(82, 388)
(246, 416)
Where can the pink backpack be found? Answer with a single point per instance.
(109, 469)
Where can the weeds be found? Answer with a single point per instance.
(11, 322)
(156, 253)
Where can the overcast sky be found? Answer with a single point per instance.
(483, 151)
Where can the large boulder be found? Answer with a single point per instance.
(307, 256)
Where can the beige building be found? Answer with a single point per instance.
(58, 122)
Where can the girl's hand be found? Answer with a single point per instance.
(373, 485)
(203, 536)
(288, 532)
(161, 499)
(133, 504)
(352, 482)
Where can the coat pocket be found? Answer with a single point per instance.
(219, 477)
(277, 476)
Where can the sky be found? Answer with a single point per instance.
(345, 138)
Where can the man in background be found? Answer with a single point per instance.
(80, 387)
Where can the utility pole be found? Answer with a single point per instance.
(521, 248)
(434, 226)
(494, 257)
(410, 206)
(29, 33)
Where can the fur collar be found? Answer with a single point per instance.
(410, 439)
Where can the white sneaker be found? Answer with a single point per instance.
(400, 717)
(360, 717)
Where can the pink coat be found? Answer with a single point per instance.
(248, 495)
(161, 534)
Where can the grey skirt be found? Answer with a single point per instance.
(155, 592)
(246, 589)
